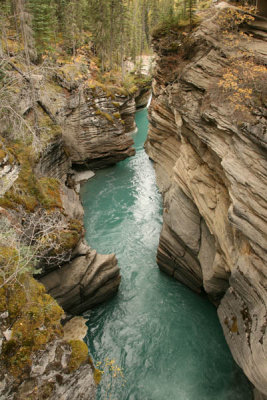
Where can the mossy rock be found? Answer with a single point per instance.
(28, 191)
(116, 104)
(116, 115)
(105, 115)
(2, 154)
(35, 319)
(49, 193)
(72, 72)
(79, 354)
(50, 130)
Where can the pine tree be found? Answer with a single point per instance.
(44, 23)
(4, 22)
(25, 23)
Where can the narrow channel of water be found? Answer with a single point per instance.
(167, 340)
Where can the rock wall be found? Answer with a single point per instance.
(62, 121)
(211, 168)
(95, 123)
(49, 378)
(88, 278)
(82, 124)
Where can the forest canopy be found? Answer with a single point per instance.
(116, 29)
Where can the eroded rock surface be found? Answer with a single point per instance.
(211, 168)
(9, 170)
(81, 123)
(50, 378)
(89, 279)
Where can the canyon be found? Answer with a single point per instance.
(209, 154)
(211, 169)
(83, 124)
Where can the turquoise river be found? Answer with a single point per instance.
(166, 339)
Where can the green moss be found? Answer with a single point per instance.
(48, 193)
(115, 104)
(2, 154)
(53, 87)
(72, 72)
(25, 193)
(3, 304)
(35, 320)
(118, 90)
(143, 81)
(68, 240)
(79, 354)
(76, 225)
(105, 115)
(97, 376)
(45, 391)
(29, 191)
(116, 115)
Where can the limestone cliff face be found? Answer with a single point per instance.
(211, 168)
(94, 121)
(82, 124)
(88, 278)
(79, 125)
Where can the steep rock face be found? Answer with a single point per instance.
(211, 170)
(54, 161)
(94, 123)
(81, 124)
(50, 378)
(142, 97)
(88, 278)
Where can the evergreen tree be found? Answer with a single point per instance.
(120, 28)
(25, 23)
(4, 22)
(44, 22)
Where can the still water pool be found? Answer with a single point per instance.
(166, 339)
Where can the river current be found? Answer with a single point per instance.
(155, 340)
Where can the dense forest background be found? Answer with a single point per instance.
(117, 29)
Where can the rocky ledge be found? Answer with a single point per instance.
(209, 150)
(86, 278)
(82, 124)
(60, 122)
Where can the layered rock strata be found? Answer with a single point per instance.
(61, 122)
(94, 123)
(211, 168)
(88, 278)
(82, 124)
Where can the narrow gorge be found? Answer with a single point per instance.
(210, 161)
(83, 124)
(97, 192)
(155, 339)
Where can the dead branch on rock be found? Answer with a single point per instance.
(28, 244)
